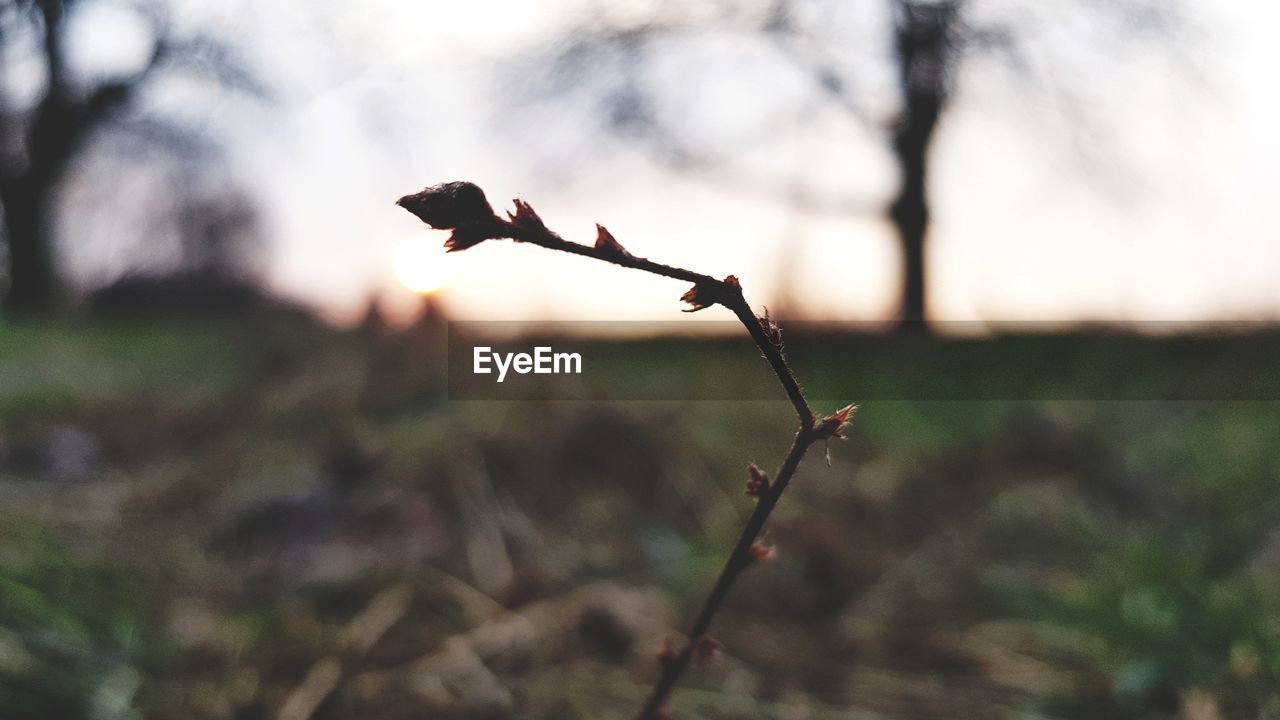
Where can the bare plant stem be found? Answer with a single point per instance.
(740, 559)
(725, 292)
(438, 206)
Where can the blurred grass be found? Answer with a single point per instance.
(51, 367)
(191, 517)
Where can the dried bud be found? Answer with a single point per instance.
(698, 298)
(525, 218)
(834, 425)
(608, 245)
(705, 294)
(470, 236)
(762, 551)
(705, 651)
(771, 329)
(757, 481)
(449, 205)
(457, 206)
(667, 653)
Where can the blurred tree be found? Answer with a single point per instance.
(615, 55)
(51, 105)
(923, 35)
(218, 233)
(197, 254)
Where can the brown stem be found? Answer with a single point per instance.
(526, 226)
(727, 293)
(548, 239)
(730, 295)
(740, 559)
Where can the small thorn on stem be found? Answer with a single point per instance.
(700, 297)
(667, 653)
(705, 651)
(762, 551)
(705, 294)
(835, 424)
(757, 481)
(526, 218)
(608, 244)
(771, 329)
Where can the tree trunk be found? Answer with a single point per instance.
(922, 32)
(27, 235)
(910, 210)
(59, 128)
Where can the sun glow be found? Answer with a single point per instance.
(422, 266)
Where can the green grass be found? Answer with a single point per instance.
(47, 367)
(1119, 495)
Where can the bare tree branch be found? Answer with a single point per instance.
(463, 208)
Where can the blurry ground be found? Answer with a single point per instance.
(283, 521)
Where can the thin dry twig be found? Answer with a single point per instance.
(462, 208)
(357, 638)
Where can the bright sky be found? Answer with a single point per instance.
(1139, 186)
